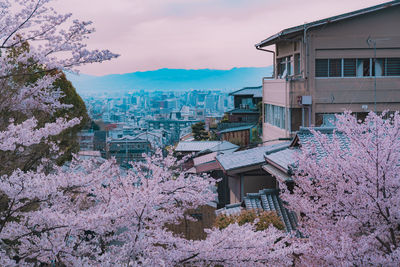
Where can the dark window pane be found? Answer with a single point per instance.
(349, 67)
(366, 67)
(393, 67)
(297, 69)
(321, 68)
(335, 68)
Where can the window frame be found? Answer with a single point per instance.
(360, 68)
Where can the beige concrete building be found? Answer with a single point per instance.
(347, 62)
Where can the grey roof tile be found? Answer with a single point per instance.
(268, 200)
(235, 129)
(248, 157)
(195, 146)
(254, 91)
(284, 158)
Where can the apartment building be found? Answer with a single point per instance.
(246, 102)
(127, 149)
(346, 62)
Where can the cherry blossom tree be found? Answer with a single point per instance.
(93, 213)
(347, 193)
(36, 44)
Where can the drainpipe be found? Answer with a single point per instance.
(306, 63)
(273, 53)
(273, 76)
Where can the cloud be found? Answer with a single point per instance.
(153, 34)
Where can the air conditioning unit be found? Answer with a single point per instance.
(306, 100)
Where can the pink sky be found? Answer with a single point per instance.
(193, 34)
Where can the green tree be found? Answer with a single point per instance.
(68, 139)
(265, 219)
(199, 132)
(29, 74)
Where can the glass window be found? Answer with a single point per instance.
(297, 67)
(363, 67)
(378, 67)
(335, 67)
(285, 66)
(321, 67)
(393, 66)
(275, 115)
(349, 67)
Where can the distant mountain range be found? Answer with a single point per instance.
(171, 79)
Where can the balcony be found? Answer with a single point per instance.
(282, 92)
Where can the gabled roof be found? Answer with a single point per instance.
(205, 159)
(299, 29)
(253, 91)
(196, 146)
(268, 200)
(235, 129)
(247, 157)
(285, 160)
(224, 147)
(243, 110)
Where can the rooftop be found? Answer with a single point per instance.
(248, 157)
(298, 29)
(285, 159)
(240, 128)
(268, 200)
(282, 159)
(253, 91)
(196, 146)
(243, 110)
(224, 147)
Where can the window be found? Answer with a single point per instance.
(378, 67)
(321, 67)
(297, 65)
(275, 115)
(363, 67)
(349, 67)
(392, 67)
(335, 67)
(285, 66)
(360, 67)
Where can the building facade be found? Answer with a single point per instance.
(347, 62)
(127, 149)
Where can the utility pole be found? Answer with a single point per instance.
(372, 42)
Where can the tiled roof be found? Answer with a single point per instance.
(196, 146)
(298, 29)
(285, 158)
(254, 91)
(225, 125)
(243, 110)
(248, 157)
(204, 159)
(268, 200)
(235, 129)
(231, 209)
(224, 147)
